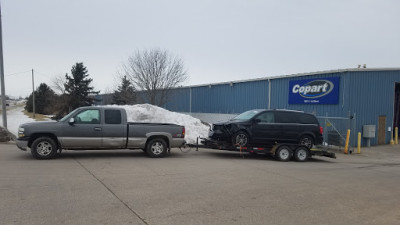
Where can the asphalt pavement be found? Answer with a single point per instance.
(199, 187)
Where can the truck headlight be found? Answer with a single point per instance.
(21, 131)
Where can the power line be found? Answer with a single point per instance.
(12, 74)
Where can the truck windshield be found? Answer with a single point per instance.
(67, 116)
(246, 115)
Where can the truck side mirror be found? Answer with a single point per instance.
(71, 121)
(257, 120)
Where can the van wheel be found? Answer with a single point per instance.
(283, 153)
(156, 148)
(307, 141)
(44, 148)
(240, 139)
(301, 154)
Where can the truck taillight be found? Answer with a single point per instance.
(183, 132)
(321, 130)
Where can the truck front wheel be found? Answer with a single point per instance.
(157, 148)
(44, 148)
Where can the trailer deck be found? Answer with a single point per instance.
(281, 151)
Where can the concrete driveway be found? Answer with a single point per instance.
(204, 187)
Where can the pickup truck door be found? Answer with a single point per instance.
(114, 129)
(84, 133)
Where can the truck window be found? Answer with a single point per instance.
(112, 116)
(90, 116)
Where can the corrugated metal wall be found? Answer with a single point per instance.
(179, 100)
(371, 94)
(230, 98)
(367, 94)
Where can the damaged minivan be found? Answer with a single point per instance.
(266, 127)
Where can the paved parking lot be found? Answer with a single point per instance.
(204, 187)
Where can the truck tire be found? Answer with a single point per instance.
(301, 154)
(156, 148)
(44, 148)
(283, 153)
(240, 139)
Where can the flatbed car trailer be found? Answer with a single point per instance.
(281, 151)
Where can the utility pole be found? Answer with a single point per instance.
(3, 91)
(33, 94)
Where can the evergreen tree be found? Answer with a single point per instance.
(77, 87)
(125, 94)
(44, 97)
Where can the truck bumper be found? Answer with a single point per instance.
(177, 142)
(22, 144)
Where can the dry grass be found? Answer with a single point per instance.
(38, 117)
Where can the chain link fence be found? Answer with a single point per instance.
(335, 131)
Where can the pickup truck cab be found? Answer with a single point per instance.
(95, 128)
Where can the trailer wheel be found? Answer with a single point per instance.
(240, 139)
(301, 154)
(156, 148)
(283, 153)
(44, 148)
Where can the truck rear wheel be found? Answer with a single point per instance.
(156, 148)
(44, 148)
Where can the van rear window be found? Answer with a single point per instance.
(307, 119)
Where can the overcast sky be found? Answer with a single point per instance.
(218, 40)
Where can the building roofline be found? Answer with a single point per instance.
(295, 75)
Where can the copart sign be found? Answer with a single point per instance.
(314, 91)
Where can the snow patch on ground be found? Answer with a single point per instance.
(15, 117)
(152, 114)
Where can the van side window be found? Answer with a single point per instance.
(286, 117)
(112, 116)
(267, 117)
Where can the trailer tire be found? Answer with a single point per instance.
(283, 153)
(156, 148)
(301, 154)
(44, 148)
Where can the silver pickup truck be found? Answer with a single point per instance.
(94, 128)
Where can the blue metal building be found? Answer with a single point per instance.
(368, 95)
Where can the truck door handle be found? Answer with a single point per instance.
(97, 129)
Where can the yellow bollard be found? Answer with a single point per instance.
(396, 135)
(391, 138)
(346, 147)
(359, 143)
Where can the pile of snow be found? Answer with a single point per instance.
(15, 117)
(147, 113)
(5, 135)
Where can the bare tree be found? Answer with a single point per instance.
(154, 73)
(57, 83)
